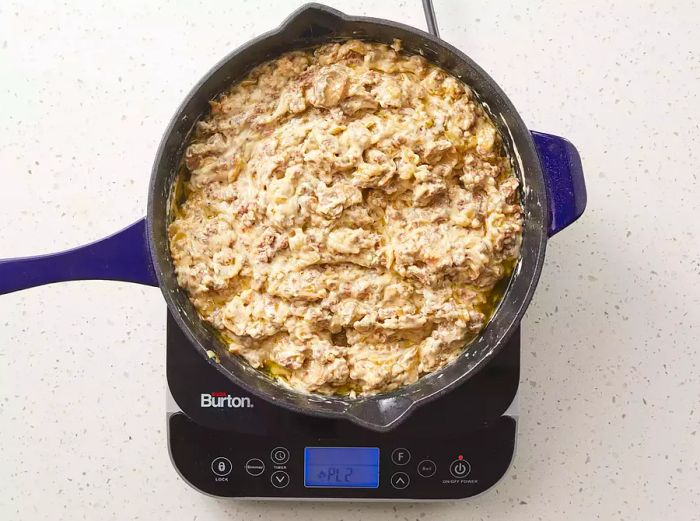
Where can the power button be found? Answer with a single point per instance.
(460, 468)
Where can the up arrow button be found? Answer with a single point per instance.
(400, 480)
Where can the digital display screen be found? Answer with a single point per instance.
(341, 467)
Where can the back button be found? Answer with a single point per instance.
(427, 468)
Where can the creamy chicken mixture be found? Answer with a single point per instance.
(348, 212)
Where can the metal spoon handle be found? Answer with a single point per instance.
(430, 18)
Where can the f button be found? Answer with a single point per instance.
(400, 456)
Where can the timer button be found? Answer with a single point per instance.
(460, 468)
(254, 466)
(279, 479)
(400, 456)
(279, 455)
(427, 468)
(221, 466)
(400, 480)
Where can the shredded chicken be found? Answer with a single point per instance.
(348, 212)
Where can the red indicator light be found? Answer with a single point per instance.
(460, 457)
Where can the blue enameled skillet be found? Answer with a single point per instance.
(553, 196)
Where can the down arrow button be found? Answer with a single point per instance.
(279, 479)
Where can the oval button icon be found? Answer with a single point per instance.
(426, 468)
(254, 467)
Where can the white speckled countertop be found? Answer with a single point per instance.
(610, 392)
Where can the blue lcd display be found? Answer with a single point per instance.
(341, 467)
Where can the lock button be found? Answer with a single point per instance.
(221, 466)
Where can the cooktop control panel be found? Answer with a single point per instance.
(380, 467)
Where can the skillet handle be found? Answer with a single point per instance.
(563, 176)
(123, 256)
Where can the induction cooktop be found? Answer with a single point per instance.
(226, 442)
